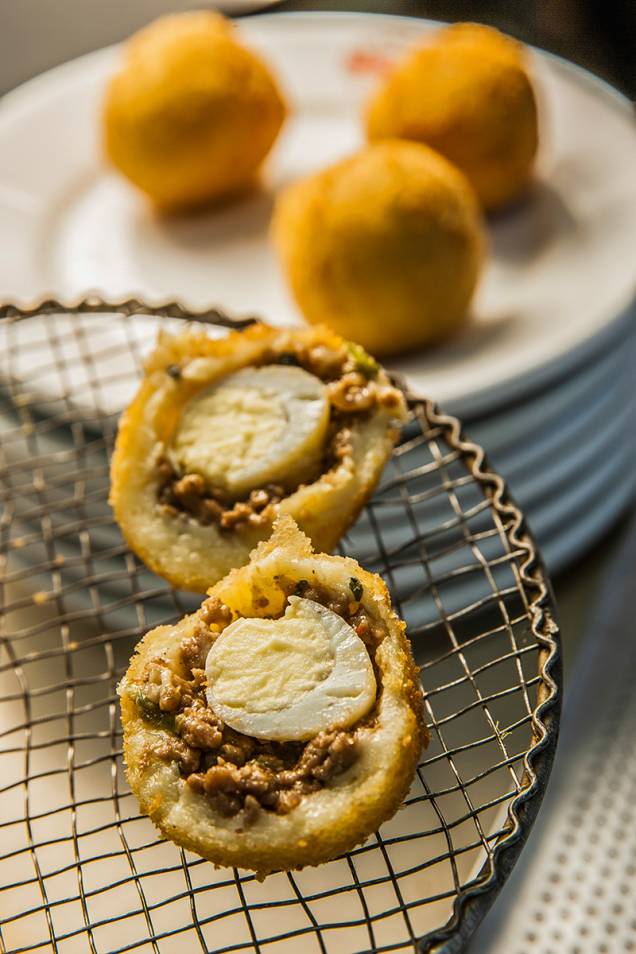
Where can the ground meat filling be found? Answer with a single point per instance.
(189, 495)
(236, 772)
(349, 373)
(276, 782)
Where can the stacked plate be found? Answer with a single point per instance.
(542, 374)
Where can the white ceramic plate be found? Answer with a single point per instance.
(561, 270)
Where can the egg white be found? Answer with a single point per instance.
(255, 427)
(288, 679)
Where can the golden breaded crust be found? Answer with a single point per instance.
(192, 113)
(333, 819)
(386, 246)
(192, 556)
(465, 92)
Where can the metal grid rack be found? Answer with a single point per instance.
(80, 869)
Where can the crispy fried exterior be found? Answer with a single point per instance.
(467, 93)
(192, 556)
(327, 822)
(386, 246)
(192, 113)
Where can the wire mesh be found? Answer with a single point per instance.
(80, 868)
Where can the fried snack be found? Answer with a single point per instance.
(467, 93)
(225, 434)
(192, 113)
(272, 796)
(385, 246)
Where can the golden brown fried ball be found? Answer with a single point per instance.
(385, 246)
(347, 461)
(192, 113)
(467, 94)
(340, 812)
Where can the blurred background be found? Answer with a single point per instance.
(35, 35)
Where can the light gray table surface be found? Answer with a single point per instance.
(573, 890)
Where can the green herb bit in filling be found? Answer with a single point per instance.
(150, 711)
(364, 363)
(356, 588)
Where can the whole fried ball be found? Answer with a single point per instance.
(385, 246)
(466, 93)
(192, 113)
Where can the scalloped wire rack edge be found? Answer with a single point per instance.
(471, 898)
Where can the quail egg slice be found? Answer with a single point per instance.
(288, 679)
(256, 427)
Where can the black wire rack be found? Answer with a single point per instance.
(80, 869)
